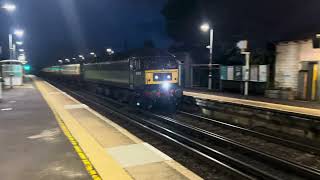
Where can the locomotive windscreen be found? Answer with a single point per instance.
(159, 63)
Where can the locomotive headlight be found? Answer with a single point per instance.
(168, 76)
(166, 85)
(156, 77)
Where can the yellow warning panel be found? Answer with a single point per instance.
(314, 82)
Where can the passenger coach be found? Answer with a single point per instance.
(145, 77)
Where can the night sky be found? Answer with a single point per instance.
(58, 29)
(63, 28)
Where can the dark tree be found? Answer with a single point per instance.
(148, 44)
(256, 21)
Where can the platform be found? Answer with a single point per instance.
(32, 143)
(95, 145)
(296, 107)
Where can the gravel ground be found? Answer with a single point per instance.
(235, 153)
(284, 152)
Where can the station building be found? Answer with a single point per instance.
(297, 68)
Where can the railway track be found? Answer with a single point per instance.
(273, 139)
(203, 144)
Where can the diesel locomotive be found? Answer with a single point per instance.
(145, 77)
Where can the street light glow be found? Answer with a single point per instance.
(205, 27)
(9, 7)
(110, 51)
(19, 32)
(81, 56)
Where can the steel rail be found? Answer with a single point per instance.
(274, 139)
(298, 169)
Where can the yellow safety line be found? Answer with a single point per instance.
(88, 165)
(105, 166)
(86, 162)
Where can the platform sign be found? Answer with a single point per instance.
(224, 73)
(263, 73)
(254, 73)
(238, 73)
(230, 73)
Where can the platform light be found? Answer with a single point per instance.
(19, 43)
(110, 51)
(21, 50)
(60, 61)
(9, 7)
(19, 32)
(205, 27)
(74, 58)
(81, 57)
(67, 60)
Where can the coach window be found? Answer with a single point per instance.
(137, 64)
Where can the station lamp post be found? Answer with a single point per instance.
(243, 46)
(12, 46)
(205, 28)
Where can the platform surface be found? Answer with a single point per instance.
(114, 152)
(32, 143)
(285, 106)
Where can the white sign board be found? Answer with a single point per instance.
(263, 73)
(230, 73)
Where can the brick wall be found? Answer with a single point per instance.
(288, 58)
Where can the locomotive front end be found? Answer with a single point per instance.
(162, 85)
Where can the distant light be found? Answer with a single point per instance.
(156, 77)
(60, 61)
(205, 27)
(19, 32)
(9, 7)
(21, 50)
(110, 51)
(27, 67)
(22, 57)
(67, 60)
(92, 53)
(168, 77)
(74, 58)
(19, 43)
(166, 86)
(138, 104)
